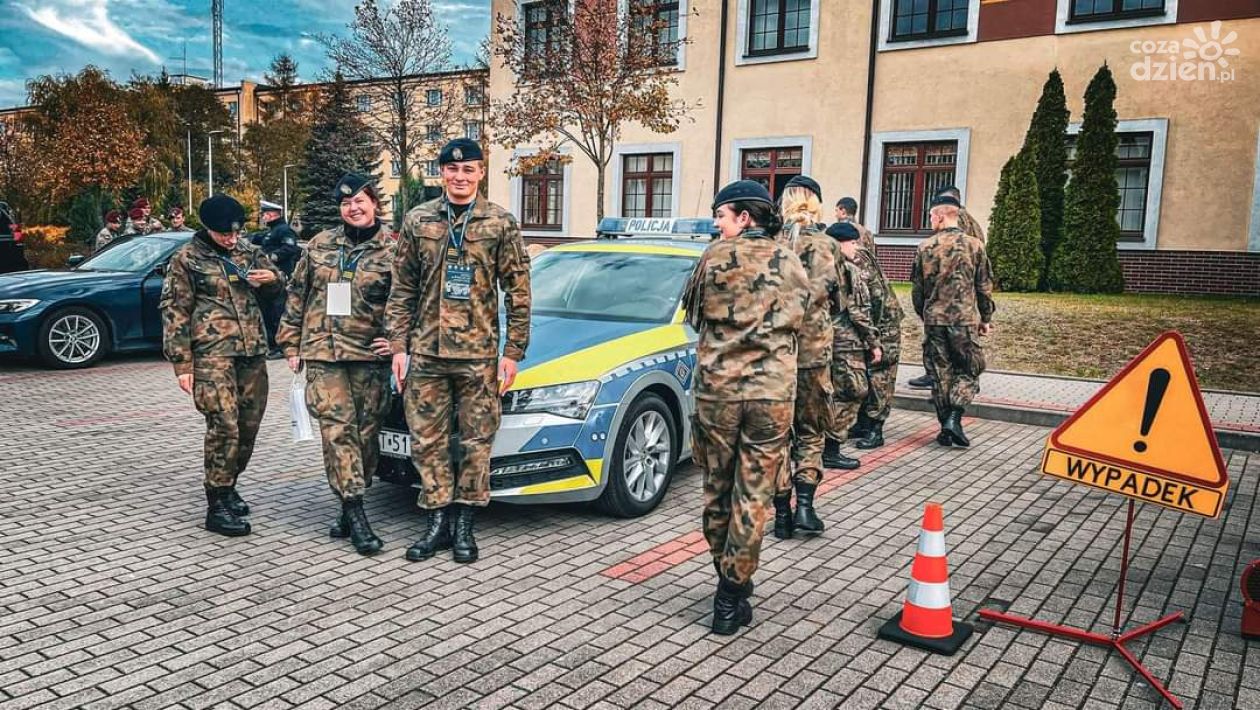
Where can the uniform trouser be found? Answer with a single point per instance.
(433, 387)
(953, 356)
(811, 420)
(231, 392)
(883, 382)
(849, 390)
(350, 400)
(741, 446)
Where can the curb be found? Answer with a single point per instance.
(1227, 438)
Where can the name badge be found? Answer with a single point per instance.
(458, 284)
(338, 298)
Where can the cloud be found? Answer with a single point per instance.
(87, 22)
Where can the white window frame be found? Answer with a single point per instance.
(1064, 10)
(395, 167)
(739, 145)
(680, 59)
(875, 172)
(741, 37)
(480, 129)
(477, 90)
(1158, 128)
(441, 96)
(1253, 241)
(621, 150)
(885, 30)
(516, 185)
(363, 103)
(436, 170)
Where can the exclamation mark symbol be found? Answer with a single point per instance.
(1156, 386)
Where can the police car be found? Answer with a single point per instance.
(601, 409)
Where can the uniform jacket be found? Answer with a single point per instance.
(854, 329)
(103, 239)
(886, 312)
(819, 256)
(970, 225)
(952, 280)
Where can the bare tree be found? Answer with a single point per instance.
(583, 70)
(398, 47)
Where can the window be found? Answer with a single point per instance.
(542, 33)
(913, 172)
(647, 185)
(472, 130)
(474, 95)
(395, 168)
(654, 27)
(433, 133)
(771, 167)
(926, 19)
(778, 26)
(433, 97)
(1104, 10)
(432, 169)
(542, 196)
(231, 107)
(1133, 177)
(363, 103)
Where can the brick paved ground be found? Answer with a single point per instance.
(113, 596)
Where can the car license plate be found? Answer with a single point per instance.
(395, 444)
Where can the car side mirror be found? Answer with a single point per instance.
(76, 260)
(160, 269)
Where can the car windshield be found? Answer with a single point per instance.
(608, 285)
(136, 255)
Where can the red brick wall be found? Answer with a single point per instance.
(1229, 273)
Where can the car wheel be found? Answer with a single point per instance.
(72, 338)
(644, 455)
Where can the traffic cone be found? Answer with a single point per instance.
(926, 619)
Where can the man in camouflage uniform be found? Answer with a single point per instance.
(886, 315)
(176, 215)
(343, 347)
(855, 342)
(152, 224)
(112, 230)
(453, 255)
(746, 299)
(212, 332)
(846, 211)
(136, 223)
(953, 294)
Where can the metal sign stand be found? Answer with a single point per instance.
(1116, 640)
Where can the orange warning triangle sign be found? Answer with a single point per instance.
(1149, 417)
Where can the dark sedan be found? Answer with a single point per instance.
(70, 318)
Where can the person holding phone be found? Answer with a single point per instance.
(212, 332)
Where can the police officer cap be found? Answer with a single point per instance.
(459, 150)
(945, 200)
(742, 191)
(349, 185)
(842, 232)
(268, 206)
(806, 182)
(221, 214)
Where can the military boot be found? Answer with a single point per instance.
(783, 516)
(861, 427)
(953, 426)
(340, 529)
(236, 503)
(731, 608)
(806, 520)
(921, 383)
(219, 518)
(361, 536)
(834, 458)
(465, 547)
(874, 436)
(436, 538)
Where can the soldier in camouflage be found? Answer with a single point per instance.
(176, 215)
(137, 223)
(854, 344)
(334, 326)
(819, 255)
(454, 254)
(746, 299)
(886, 315)
(112, 230)
(953, 294)
(846, 211)
(212, 332)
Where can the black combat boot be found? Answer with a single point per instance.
(783, 516)
(465, 547)
(219, 518)
(236, 503)
(921, 383)
(943, 438)
(361, 536)
(834, 458)
(731, 608)
(806, 520)
(874, 436)
(340, 529)
(861, 427)
(436, 538)
(953, 427)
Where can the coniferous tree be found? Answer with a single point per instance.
(1045, 141)
(339, 143)
(1015, 228)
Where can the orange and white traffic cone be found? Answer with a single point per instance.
(926, 619)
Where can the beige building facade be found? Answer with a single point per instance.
(885, 100)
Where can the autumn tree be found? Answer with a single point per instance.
(591, 72)
(267, 148)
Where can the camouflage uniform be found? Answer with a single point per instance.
(970, 225)
(864, 235)
(212, 329)
(103, 239)
(953, 294)
(347, 385)
(886, 315)
(747, 300)
(454, 344)
(854, 336)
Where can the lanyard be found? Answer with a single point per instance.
(450, 228)
(348, 268)
(230, 269)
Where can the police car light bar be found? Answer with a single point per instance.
(614, 227)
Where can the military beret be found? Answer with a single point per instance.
(742, 191)
(842, 232)
(350, 185)
(945, 200)
(459, 150)
(806, 182)
(140, 203)
(221, 213)
(268, 206)
(175, 211)
(113, 216)
(136, 213)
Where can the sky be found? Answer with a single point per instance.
(141, 36)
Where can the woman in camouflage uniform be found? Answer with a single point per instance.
(334, 322)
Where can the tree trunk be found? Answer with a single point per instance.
(599, 194)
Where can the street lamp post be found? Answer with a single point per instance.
(285, 170)
(210, 161)
(190, 202)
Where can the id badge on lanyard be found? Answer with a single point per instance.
(340, 299)
(457, 286)
(232, 272)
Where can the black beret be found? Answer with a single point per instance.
(742, 191)
(848, 204)
(222, 214)
(945, 200)
(459, 150)
(806, 182)
(350, 185)
(842, 232)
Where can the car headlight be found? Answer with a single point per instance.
(572, 400)
(17, 305)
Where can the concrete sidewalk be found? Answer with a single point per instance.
(1046, 400)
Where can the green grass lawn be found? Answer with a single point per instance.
(1094, 336)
